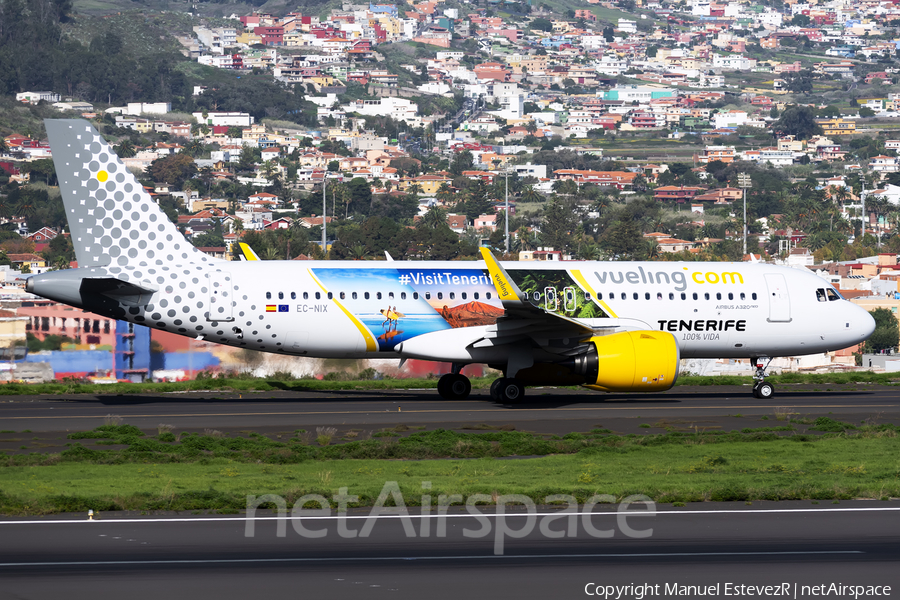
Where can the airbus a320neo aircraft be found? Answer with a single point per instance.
(611, 326)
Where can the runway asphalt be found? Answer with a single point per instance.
(211, 557)
(776, 544)
(550, 410)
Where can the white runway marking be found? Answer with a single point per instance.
(289, 516)
(126, 563)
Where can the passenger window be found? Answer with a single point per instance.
(463, 295)
(706, 296)
(599, 296)
(587, 296)
(569, 298)
(718, 296)
(391, 295)
(695, 295)
(306, 295)
(646, 295)
(281, 295)
(635, 295)
(330, 296)
(743, 296)
(659, 295)
(343, 295)
(833, 295)
(452, 295)
(268, 295)
(487, 295)
(440, 295)
(428, 295)
(403, 295)
(820, 295)
(318, 295)
(683, 296)
(415, 295)
(624, 296)
(475, 295)
(671, 296)
(353, 295)
(730, 296)
(753, 295)
(293, 295)
(378, 295)
(366, 295)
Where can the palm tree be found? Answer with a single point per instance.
(435, 217)
(444, 193)
(359, 251)
(125, 149)
(415, 189)
(194, 148)
(271, 253)
(529, 194)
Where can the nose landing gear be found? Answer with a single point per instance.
(761, 389)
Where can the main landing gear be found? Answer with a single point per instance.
(453, 385)
(508, 390)
(761, 389)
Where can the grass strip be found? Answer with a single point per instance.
(673, 467)
(238, 384)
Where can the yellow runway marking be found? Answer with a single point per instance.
(450, 411)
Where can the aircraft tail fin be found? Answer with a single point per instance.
(112, 219)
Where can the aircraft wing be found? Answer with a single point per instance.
(524, 320)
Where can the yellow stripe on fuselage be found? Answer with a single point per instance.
(583, 283)
(371, 345)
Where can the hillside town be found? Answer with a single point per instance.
(630, 130)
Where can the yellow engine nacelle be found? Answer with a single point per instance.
(635, 361)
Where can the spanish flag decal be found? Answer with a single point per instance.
(271, 308)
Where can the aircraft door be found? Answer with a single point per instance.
(221, 297)
(779, 300)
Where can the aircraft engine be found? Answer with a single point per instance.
(628, 361)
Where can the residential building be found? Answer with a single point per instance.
(838, 126)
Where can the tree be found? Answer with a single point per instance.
(541, 24)
(175, 169)
(125, 149)
(886, 334)
(462, 161)
(865, 111)
(798, 121)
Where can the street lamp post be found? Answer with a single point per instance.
(324, 206)
(744, 181)
(506, 216)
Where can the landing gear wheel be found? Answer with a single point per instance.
(454, 387)
(763, 390)
(495, 389)
(511, 391)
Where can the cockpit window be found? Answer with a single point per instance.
(820, 295)
(833, 295)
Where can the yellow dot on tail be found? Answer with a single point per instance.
(102, 176)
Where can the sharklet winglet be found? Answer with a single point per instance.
(507, 291)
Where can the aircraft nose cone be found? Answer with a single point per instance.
(867, 324)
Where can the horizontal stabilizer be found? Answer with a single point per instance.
(123, 291)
